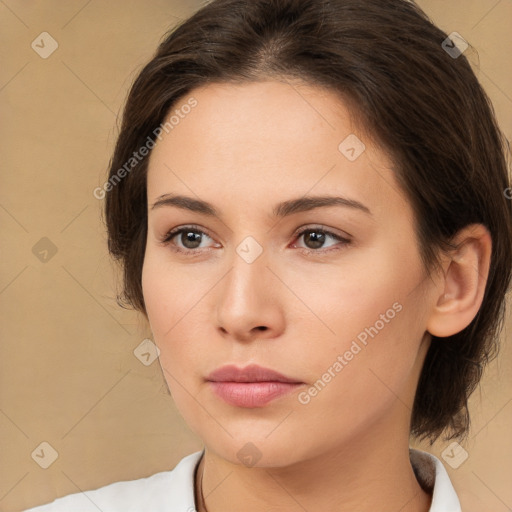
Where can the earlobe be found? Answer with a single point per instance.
(463, 285)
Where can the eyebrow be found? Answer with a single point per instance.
(283, 209)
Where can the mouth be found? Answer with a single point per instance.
(250, 387)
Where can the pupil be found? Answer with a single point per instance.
(319, 239)
(191, 237)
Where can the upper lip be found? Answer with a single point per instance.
(251, 373)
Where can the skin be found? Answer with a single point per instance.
(245, 148)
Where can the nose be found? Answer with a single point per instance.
(250, 302)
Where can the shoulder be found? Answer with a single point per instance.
(167, 490)
(433, 478)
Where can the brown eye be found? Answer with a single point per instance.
(188, 239)
(315, 238)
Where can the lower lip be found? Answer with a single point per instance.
(252, 394)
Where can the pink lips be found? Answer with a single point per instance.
(252, 386)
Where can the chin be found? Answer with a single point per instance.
(256, 448)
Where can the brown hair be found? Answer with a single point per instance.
(424, 106)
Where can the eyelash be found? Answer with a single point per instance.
(195, 229)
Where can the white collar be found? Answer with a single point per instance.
(433, 478)
(428, 469)
(174, 490)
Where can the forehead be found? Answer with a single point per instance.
(267, 115)
(263, 140)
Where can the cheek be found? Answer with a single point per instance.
(167, 292)
(165, 309)
(375, 326)
(172, 300)
(368, 287)
(356, 384)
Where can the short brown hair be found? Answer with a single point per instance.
(423, 105)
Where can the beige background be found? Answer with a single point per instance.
(69, 376)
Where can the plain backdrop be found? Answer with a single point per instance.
(69, 376)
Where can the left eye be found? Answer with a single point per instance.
(317, 237)
(191, 238)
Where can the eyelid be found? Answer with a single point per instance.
(322, 228)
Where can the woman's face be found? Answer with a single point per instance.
(342, 314)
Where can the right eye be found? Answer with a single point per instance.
(188, 236)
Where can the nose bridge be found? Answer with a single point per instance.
(248, 273)
(247, 299)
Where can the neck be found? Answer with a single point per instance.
(364, 476)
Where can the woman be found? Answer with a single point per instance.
(308, 198)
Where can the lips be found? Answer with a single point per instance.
(251, 373)
(252, 386)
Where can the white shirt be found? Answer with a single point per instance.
(173, 491)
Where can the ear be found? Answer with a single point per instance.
(462, 288)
